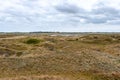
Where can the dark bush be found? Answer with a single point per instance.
(32, 41)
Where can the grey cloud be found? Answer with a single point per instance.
(96, 21)
(110, 14)
(114, 22)
(69, 8)
(108, 11)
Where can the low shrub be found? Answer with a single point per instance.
(33, 41)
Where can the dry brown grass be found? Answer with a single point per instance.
(42, 77)
(88, 57)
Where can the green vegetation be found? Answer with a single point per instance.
(32, 41)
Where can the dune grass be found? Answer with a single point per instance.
(88, 57)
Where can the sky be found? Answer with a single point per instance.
(60, 15)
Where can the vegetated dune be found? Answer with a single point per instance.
(84, 57)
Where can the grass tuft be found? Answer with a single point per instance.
(33, 41)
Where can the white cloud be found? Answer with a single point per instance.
(59, 13)
(85, 4)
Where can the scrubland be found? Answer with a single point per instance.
(46, 57)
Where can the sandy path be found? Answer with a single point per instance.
(15, 37)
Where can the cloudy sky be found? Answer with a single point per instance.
(60, 15)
